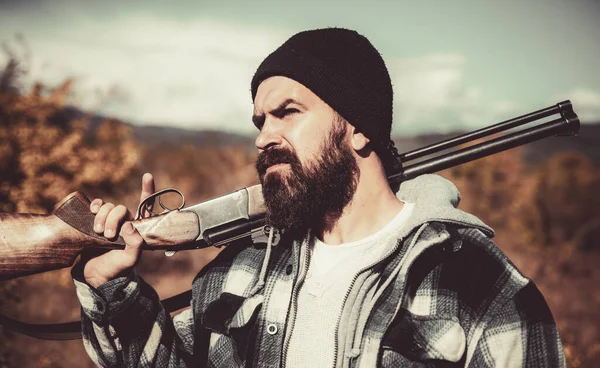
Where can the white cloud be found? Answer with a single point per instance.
(432, 95)
(194, 75)
(197, 75)
(586, 103)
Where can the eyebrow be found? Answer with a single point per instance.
(259, 119)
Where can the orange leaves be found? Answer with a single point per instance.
(49, 151)
(490, 185)
(568, 199)
(552, 204)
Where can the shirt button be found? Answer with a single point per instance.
(308, 275)
(289, 269)
(272, 329)
(318, 284)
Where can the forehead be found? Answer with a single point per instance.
(274, 90)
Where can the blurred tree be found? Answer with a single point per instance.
(45, 152)
(490, 185)
(567, 201)
(549, 205)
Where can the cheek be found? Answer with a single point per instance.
(310, 150)
(308, 136)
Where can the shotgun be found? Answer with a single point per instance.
(33, 243)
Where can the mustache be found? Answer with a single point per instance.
(272, 157)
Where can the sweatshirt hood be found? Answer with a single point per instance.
(436, 199)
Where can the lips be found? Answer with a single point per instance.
(275, 167)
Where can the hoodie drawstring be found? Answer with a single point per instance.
(263, 270)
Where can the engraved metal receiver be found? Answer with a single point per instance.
(218, 221)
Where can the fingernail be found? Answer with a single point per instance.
(98, 228)
(109, 233)
(128, 228)
(95, 208)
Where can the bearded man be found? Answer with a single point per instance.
(362, 276)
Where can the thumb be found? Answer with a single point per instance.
(147, 189)
(133, 244)
(147, 185)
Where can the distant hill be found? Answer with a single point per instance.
(156, 136)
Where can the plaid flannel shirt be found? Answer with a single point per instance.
(446, 296)
(462, 303)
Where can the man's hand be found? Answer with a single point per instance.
(111, 220)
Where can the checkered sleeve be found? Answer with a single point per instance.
(519, 333)
(125, 325)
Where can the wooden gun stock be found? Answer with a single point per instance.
(32, 243)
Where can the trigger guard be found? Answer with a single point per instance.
(146, 206)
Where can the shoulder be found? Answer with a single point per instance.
(467, 273)
(485, 265)
(512, 292)
(482, 274)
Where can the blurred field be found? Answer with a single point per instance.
(546, 216)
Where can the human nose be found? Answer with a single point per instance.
(270, 135)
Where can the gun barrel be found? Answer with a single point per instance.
(567, 124)
(565, 109)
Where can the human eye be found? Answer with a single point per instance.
(289, 111)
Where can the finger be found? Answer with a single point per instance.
(147, 189)
(95, 205)
(133, 244)
(147, 186)
(100, 218)
(114, 220)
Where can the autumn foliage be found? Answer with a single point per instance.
(550, 205)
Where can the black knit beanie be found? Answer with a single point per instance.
(344, 69)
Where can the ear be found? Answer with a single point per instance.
(358, 140)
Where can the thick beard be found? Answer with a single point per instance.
(304, 198)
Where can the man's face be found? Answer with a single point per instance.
(305, 164)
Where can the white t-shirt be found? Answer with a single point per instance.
(321, 296)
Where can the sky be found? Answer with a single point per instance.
(455, 65)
